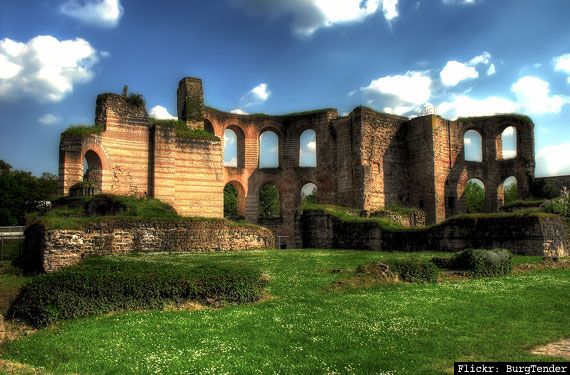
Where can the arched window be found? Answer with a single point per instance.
(268, 150)
(510, 189)
(509, 142)
(93, 168)
(234, 201)
(230, 148)
(269, 204)
(309, 193)
(308, 149)
(472, 142)
(475, 196)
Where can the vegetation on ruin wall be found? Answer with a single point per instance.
(83, 130)
(304, 113)
(310, 327)
(499, 118)
(72, 212)
(182, 130)
(351, 215)
(100, 286)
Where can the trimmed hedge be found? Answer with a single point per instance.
(483, 263)
(104, 288)
(415, 271)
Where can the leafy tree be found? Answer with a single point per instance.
(20, 192)
(474, 197)
(230, 201)
(269, 205)
(511, 193)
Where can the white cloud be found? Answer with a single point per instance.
(509, 154)
(312, 145)
(105, 54)
(308, 16)
(403, 91)
(533, 96)
(44, 67)
(537, 65)
(239, 111)
(257, 95)
(464, 106)
(553, 160)
(49, 119)
(563, 63)
(454, 72)
(508, 132)
(483, 58)
(160, 113)
(102, 13)
(491, 70)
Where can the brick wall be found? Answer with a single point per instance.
(525, 235)
(62, 248)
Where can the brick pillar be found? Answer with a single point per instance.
(70, 163)
(163, 164)
(191, 102)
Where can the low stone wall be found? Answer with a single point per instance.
(56, 249)
(521, 234)
(414, 218)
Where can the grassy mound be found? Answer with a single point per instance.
(99, 286)
(481, 263)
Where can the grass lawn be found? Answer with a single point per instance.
(311, 328)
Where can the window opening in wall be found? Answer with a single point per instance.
(268, 150)
(475, 196)
(230, 148)
(421, 204)
(308, 149)
(92, 167)
(510, 189)
(269, 204)
(230, 201)
(309, 194)
(509, 142)
(472, 142)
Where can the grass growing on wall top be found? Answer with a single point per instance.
(83, 130)
(311, 328)
(500, 117)
(70, 212)
(182, 130)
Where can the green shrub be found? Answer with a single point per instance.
(415, 271)
(483, 263)
(103, 288)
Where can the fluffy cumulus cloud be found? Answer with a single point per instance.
(533, 96)
(563, 63)
(307, 16)
(464, 106)
(553, 160)
(239, 111)
(160, 113)
(44, 67)
(454, 72)
(257, 95)
(400, 93)
(49, 119)
(101, 13)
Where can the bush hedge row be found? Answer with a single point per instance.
(83, 291)
(415, 270)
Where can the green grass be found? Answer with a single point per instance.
(83, 130)
(311, 328)
(351, 215)
(11, 281)
(182, 130)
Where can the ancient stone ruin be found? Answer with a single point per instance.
(365, 160)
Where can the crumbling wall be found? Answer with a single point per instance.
(62, 248)
(521, 234)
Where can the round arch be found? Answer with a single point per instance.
(234, 147)
(475, 196)
(308, 148)
(473, 145)
(234, 209)
(269, 142)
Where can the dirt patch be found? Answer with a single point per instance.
(7, 367)
(563, 264)
(446, 276)
(15, 329)
(555, 349)
(365, 275)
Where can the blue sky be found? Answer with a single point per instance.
(466, 57)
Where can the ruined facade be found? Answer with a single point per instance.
(364, 160)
